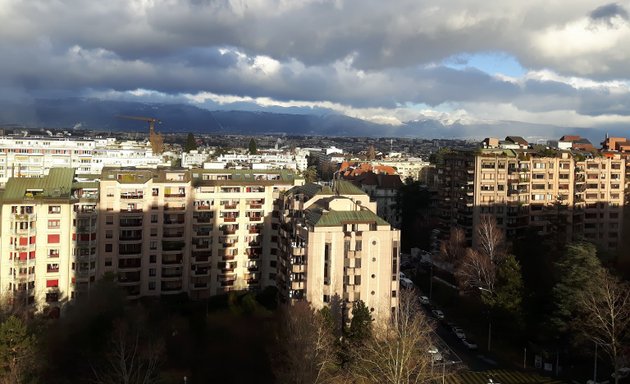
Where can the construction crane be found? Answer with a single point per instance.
(156, 140)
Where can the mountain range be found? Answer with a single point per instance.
(104, 115)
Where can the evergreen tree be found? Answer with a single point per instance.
(191, 143)
(252, 147)
(574, 271)
(361, 323)
(17, 351)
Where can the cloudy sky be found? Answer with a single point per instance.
(550, 62)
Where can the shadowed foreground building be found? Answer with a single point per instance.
(199, 232)
(334, 248)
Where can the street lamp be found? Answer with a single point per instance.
(489, 318)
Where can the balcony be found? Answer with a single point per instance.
(229, 230)
(230, 206)
(200, 286)
(172, 259)
(129, 277)
(174, 195)
(171, 286)
(125, 223)
(255, 218)
(172, 245)
(229, 219)
(24, 217)
(253, 268)
(169, 273)
(200, 257)
(173, 234)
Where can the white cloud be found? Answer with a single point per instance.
(365, 58)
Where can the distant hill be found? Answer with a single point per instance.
(96, 114)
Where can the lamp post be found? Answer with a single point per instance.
(489, 317)
(595, 364)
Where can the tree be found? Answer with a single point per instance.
(605, 314)
(371, 153)
(361, 323)
(490, 239)
(397, 352)
(574, 271)
(310, 174)
(134, 355)
(17, 351)
(191, 143)
(252, 147)
(453, 250)
(306, 350)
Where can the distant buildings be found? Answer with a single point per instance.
(559, 192)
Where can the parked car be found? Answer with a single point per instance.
(435, 353)
(622, 373)
(424, 300)
(437, 313)
(469, 344)
(406, 283)
(459, 332)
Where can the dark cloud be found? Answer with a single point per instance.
(607, 12)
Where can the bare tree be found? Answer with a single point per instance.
(398, 352)
(306, 346)
(490, 239)
(476, 271)
(453, 250)
(133, 358)
(605, 306)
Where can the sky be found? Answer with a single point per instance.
(565, 63)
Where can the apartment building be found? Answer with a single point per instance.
(562, 192)
(48, 237)
(200, 232)
(34, 156)
(335, 249)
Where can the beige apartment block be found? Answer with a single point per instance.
(334, 249)
(562, 192)
(198, 232)
(48, 240)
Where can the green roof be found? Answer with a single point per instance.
(56, 185)
(320, 218)
(342, 187)
(309, 189)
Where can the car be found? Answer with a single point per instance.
(437, 313)
(406, 283)
(459, 332)
(402, 275)
(424, 300)
(622, 373)
(469, 344)
(435, 353)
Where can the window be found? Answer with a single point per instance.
(108, 262)
(151, 285)
(53, 239)
(109, 219)
(152, 272)
(53, 253)
(54, 209)
(152, 259)
(109, 247)
(54, 283)
(53, 224)
(109, 234)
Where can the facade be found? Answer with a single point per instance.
(567, 194)
(34, 156)
(335, 249)
(199, 232)
(48, 239)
